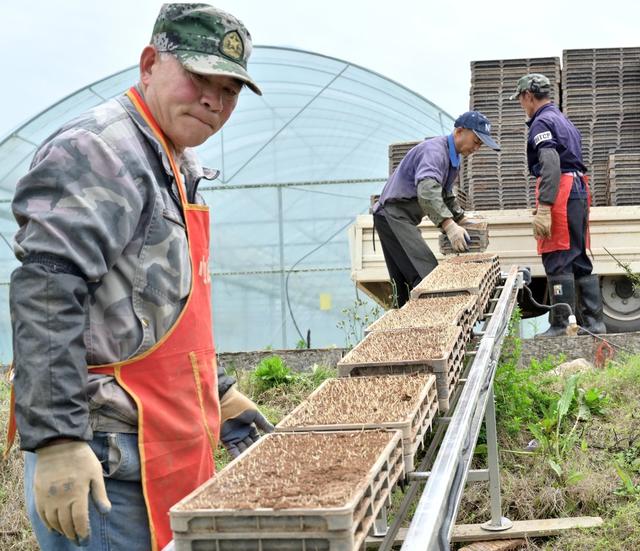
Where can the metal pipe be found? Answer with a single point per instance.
(433, 521)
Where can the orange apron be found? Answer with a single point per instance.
(560, 240)
(174, 383)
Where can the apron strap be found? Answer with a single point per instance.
(11, 427)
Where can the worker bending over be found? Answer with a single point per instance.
(423, 185)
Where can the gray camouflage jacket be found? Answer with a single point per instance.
(105, 270)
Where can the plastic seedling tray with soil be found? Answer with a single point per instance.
(476, 278)
(463, 258)
(438, 350)
(315, 490)
(407, 403)
(452, 278)
(449, 310)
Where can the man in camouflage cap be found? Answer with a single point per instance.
(113, 349)
(561, 219)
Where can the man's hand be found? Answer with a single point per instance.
(542, 222)
(65, 474)
(458, 236)
(240, 421)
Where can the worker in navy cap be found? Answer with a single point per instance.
(561, 219)
(423, 185)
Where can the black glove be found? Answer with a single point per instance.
(240, 421)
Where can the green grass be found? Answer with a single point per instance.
(593, 418)
(15, 530)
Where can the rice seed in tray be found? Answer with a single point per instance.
(463, 258)
(454, 310)
(449, 277)
(438, 350)
(294, 491)
(446, 279)
(407, 403)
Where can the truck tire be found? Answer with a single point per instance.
(621, 304)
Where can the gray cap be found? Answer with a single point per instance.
(533, 82)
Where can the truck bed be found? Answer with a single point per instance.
(510, 236)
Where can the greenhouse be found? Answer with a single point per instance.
(297, 165)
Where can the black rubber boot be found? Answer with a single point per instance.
(561, 290)
(590, 305)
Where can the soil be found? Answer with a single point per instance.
(311, 470)
(405, 345)
(426, 312)
(362, 400)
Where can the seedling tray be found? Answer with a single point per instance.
(438, 350)
(460, 310)
(273, 498)
(483, 258)
(448, 279)
(407, 403)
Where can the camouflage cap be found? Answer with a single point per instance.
(533, 82)
(206, 40)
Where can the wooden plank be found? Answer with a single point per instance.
(520, 529)
(500, 545)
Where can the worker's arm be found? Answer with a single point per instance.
(76, 208)
(429, 192)
(542, 138)
(452, 204)
(549, 175)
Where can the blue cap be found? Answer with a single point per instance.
(476, 121)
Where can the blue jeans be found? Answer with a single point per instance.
(126, 527)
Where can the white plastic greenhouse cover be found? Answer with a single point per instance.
(298, 164)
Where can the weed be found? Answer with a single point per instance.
(521, 397)
(627, 485)
(627, 463)
(319, 373)
(356, 319)
(557, 432)
(271, 372)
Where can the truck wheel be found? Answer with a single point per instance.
(621, 304)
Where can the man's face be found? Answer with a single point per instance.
(189, 108)
(466, 141)
(527, 103)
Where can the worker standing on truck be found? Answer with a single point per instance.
(422, 185)
(117, 392)
(561, 219)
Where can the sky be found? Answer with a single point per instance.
(51, 48)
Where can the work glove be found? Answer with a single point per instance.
(65, 475)
(240, 421)
(542, 222)
(457, 235)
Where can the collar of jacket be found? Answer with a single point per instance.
(539, 111)
(454, 156)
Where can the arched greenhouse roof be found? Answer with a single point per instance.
(297, 164)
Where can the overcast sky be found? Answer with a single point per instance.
(51, 48)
